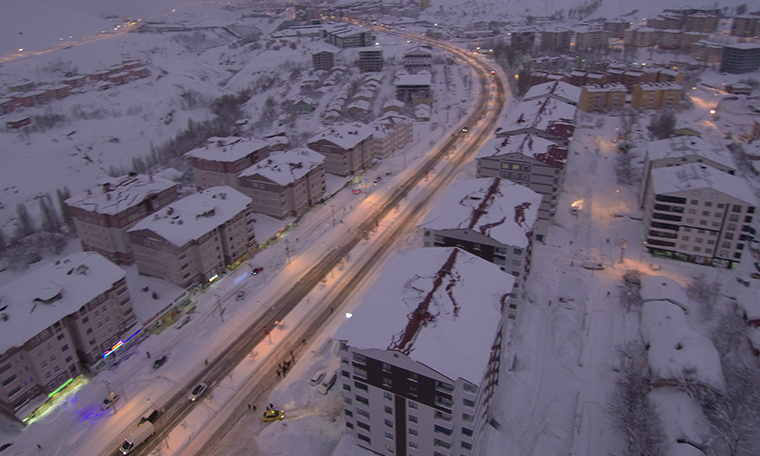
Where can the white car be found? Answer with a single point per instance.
(197, 392)
(317, 378)
(327, 384)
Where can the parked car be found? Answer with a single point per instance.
(327, 384)
(273, 415)
(240, 295)
(159, 362)
(5, 446)
(592, 265)
(755, 275)
(255, 271)
(197, 392)
(317, 378)
(109, 401)
(757, 266)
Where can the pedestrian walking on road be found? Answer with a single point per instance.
(278, 375)
(254, 407)
(148, 353)
(249, 407)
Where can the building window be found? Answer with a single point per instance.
(412, 418)
(349, 425)
(468, 403)
(363, 400)
(387, 395)
(721, 205)
(685, 238)
(736, 208)
(389, 410)
(360, 385)
(694, 202)
(347, 387)
(348, 412)
(412, 404)
(386, 367)
(389, 423)
(412, 376)
(731, 227)
(441, 430)
(388, 435)
(703, 222)
(441, 443)
(387, 382)
(364, 437)
(412, 444)
(363, 413)
(466, 445)
(363, 425)
(692, 211)
(412, 431)
(467, 432)
(708, 203)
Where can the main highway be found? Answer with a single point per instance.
(447, 158)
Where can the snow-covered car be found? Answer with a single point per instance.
(273, 415)
(592, 265)
(110, 401)
(255, 271)
(197, 392)
(317, 378)
(327, 384)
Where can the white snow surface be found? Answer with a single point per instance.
(227, 149)
(286, 167)
(686, 146)
(31, 302)
(682, 418)
(116, 195)
(696, 176)
(664, 288)
(465, 310)
(507, 215)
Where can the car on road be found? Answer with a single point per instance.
(159, 362)
(109, 401)
(197, 392)
(5, 446)
(257, 270)
(240, 295)
(357, 191)
(273, 415)
(317, 378)
(327, 384)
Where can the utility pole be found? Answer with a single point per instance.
(219, 306)
(287, 250)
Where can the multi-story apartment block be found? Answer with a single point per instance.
(592, 40)
(392, 132)
(708, 52)
(71, 311)
(345, 36)
(420, 356)
(684, 150)
(602, 98)
(699, 214)
(740, 58)
(414, 87)
(103, 216)
(745, 26)
(547, 118)
(530, 161)
(700, 22)
(522, 39)
(347, 147)
(630, 78)
(617, 28)
(557, 90)
(556, 40)
(221, 160)
(492, 218)
(286, 184)
(323, 60)
(418, 58)
(192, 240)
(371, 61)
(656, 95)
(641, 37)
(665, 22)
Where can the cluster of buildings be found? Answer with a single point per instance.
(57, 322)
(28, 94)
(620, 86)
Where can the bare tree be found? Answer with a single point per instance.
(630, 291)
(704, 293)
(629, 408)
(662, 125)
(24, 223)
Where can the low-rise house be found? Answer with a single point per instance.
(304, 104)
(56, 321)
(393, 106)
(392, 132)
(531, 161)
(347, 147)
(103, 215)
(420, 355)
(221, 160)
(196, 238)
(699, 214)
(413, 87)
(7, 105)
(285, 184)
(492, 218)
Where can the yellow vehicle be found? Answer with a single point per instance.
(273, 415)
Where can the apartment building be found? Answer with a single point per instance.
(592, 40)
(602, 98)
(371, 61)
(617, 27)
(745, 26)
(345, 36)
(522, 39)
(684, 150)
(63, 313)
(641, 37)
(708, 52)
(699, 214)
(557, 40)
(285, 184)
(391, 132)
(102, 216)
(492, 218)
(547, 118)
(740, 58)
(220, 160)
(420, 355)
(194, 239)
(418, 58)
(323, 60)
(530, 161)
(656, 95)
(414, 87)
(558, 90)
(347, 147)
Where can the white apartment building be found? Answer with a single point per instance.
(391, 132)
(75, 309)
(420, 355)
(530, 161)
(492, 218)
(347, 147)
(699, 214)
(285, 184)
(194, 239)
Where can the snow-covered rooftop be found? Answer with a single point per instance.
(681, 416)
(697, 176)
(559, 89)
(420, 79)
(228, 149)
(683, 146)
(541, 149)
(494, 207)
(195, 215)
(441, 306)
(549, 115)
(344, 135)
(654, 288)
(44, 296)
(286, 167)
(117, 194)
